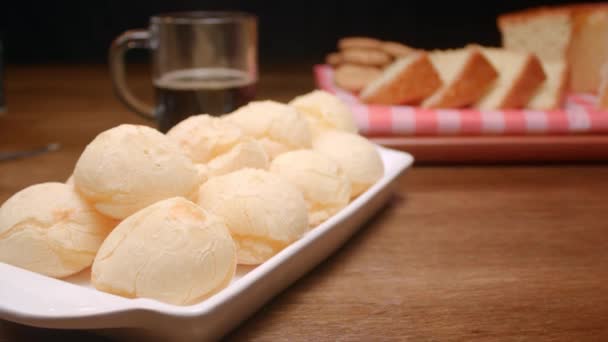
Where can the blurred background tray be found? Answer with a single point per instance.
(576, 132)
(501, 149)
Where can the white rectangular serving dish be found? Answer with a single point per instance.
(36, 300)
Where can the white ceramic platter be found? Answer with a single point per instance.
(36, 300)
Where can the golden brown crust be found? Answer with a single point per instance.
(602, 100)
(525, 84)
(366, 57)
(333, 59)
(586, 8)
(588, 48)
(359, 43)
(396, 49)
(563, 87)
(561, 93)
(410, 85)
(355, 77)
(468, 87)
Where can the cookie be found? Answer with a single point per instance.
(334, 59)
(355, 77)
(396, 49)
(366, 57)
(359, 43)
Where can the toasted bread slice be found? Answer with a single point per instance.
(408, 80)
(589, 47)
(551, 93)
(466, 76)
(602, 99)
(519, 76)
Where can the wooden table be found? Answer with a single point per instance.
(460, 253)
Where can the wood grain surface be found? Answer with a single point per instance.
(461, 253)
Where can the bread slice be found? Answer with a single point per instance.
(519, 76)
(408, 80)
(602, 99)
(466, 75)
(576, 33)
(551, 93)
(545, 31)
(589, 48)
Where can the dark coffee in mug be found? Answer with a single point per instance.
(213, 91)
(202, 63)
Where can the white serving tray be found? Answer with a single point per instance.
(36, 300)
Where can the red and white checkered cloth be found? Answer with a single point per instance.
(579, 115)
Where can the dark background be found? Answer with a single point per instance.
(80, 32)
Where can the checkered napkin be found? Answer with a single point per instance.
(579, 115)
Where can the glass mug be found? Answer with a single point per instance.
(202, 63)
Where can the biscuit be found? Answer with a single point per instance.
(172, 251)
(50, 229)
(325, 111)
(204, 137)
(278, 126)
(358, 43)
(366, 57)
(358, 158)
(128, 167)
(325, 186)
(248, 154)
(334, 59)
(396, 49)
(222, 146)
(264, 212)
(355, 77)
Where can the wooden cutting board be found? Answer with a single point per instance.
(501, 149)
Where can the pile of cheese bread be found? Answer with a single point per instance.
(169, 216)
(546, 53)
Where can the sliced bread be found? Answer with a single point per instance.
(544, 31)
(466, 75)
(589, 47)
(519, 76)
(602, 99)
(576, 33)
(408, 80)
(550, 94)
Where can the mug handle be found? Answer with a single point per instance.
(132, 39)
